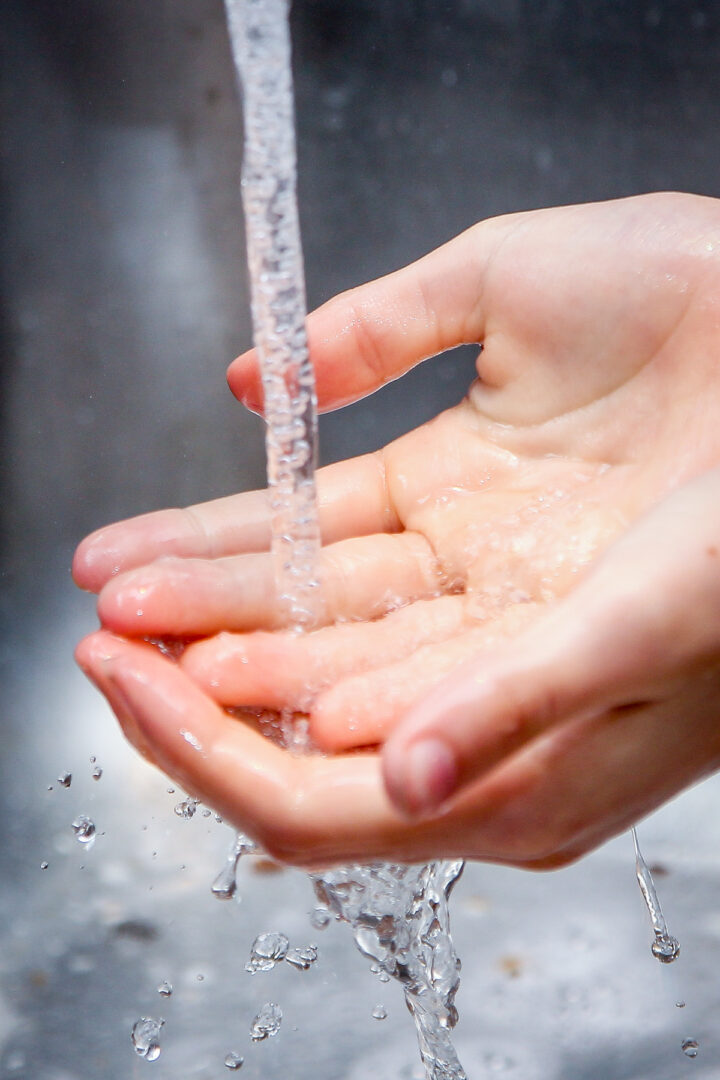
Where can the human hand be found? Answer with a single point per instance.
(500, 505)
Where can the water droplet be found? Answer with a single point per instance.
(84, 829)
(302, 957)
(186, 809)
(65, 779)
(267, 1022)
(93, 759)
(379, 1012)
(234, 1061)
(191, 739)
(165, 988)
(665, 948)
(267, 950)
(679, 1004)
(320, 918)
(44, 865)
(171, 791)
(97, 773)
(224, 886)
(206, 813)
(690, 1047)
(146, 1037)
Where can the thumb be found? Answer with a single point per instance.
(644, 617)
(374, 333)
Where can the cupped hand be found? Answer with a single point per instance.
(467, 619)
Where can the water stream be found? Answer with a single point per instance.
(398, 914)
(665, 947)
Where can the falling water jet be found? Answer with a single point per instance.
(399, 914)
(665, 947)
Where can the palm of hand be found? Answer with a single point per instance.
(464, 532)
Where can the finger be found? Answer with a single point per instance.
(370, 335)
(307, 810)
(281, 671)
(352, 501)
(360, 579)
(591, 778)
(641, 619)
(362, 708)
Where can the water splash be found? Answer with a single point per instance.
(665, 947)
(400, 920)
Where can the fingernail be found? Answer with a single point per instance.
(430, 775)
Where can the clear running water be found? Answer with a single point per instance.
(399, 914)
(261, 49)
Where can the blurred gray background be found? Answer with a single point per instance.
(123, 297)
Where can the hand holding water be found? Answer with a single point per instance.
(529, 584)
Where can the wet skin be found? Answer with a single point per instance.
(518, 646)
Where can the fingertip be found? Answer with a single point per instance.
(97, 648)
(94, 562)
(110, 607)
(243, 377)
(201, 663)
(421, 776)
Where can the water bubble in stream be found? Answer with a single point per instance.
(84, 829)
(690, 1047)
(146, 1037)
(234, 1061)
(267, 950)
(267, 1022)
